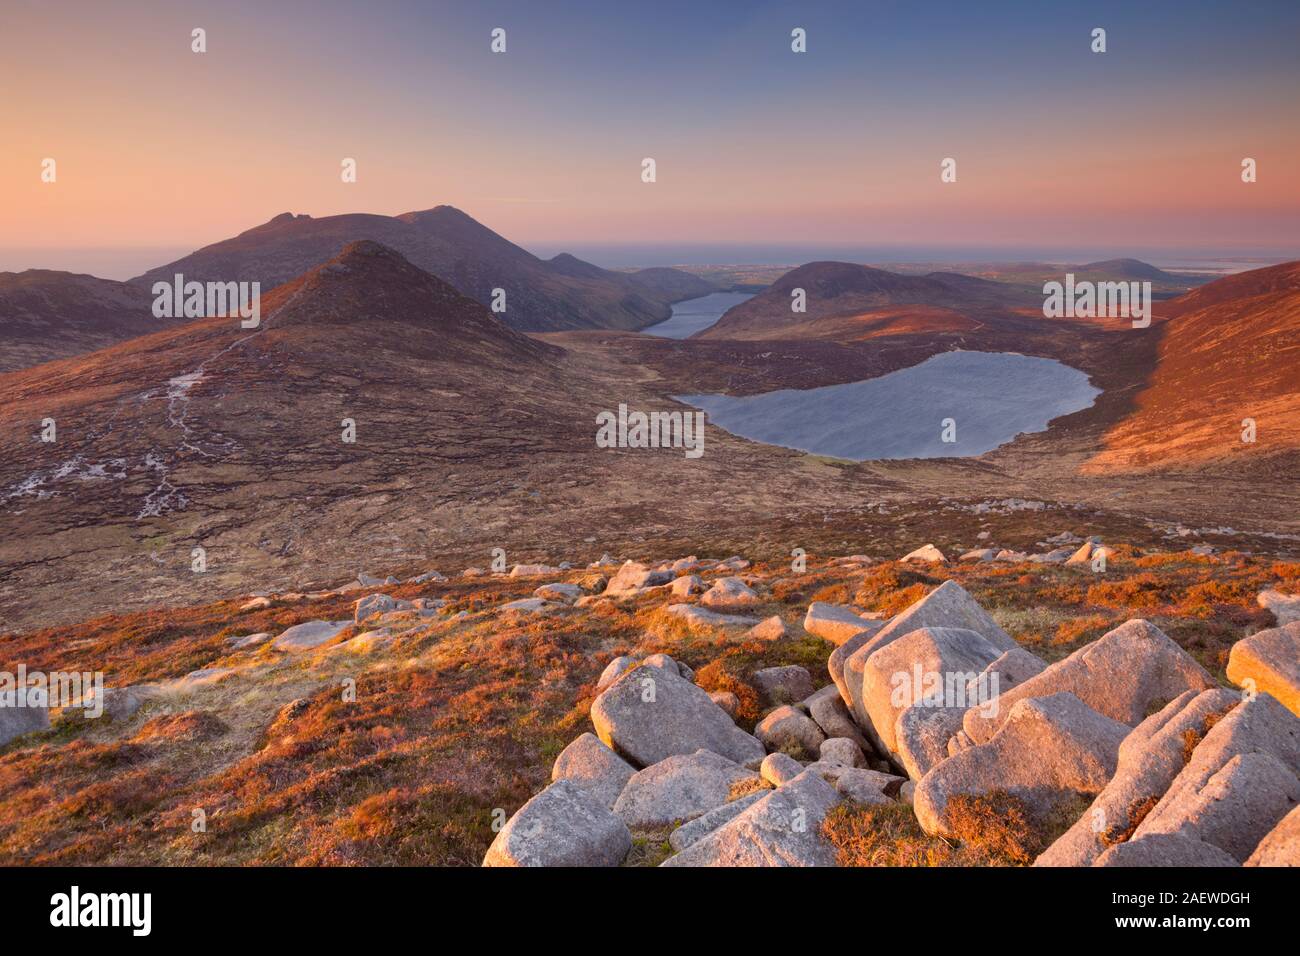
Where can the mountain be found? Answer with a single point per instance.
(47, 315)
(842, 289)
(1130, 269)
(541, 295)
(671, 284)
(1228, 351)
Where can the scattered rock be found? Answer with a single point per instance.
(255, 604)
(679, 788)
(1281, 847)
(835, 623)
(589, 764)
(692, 832)
(726, 700)
(1285, 607)
(687, 585)
(526, 606)
(1121, 675)
(1240, 782)
(1049, 750)
(791, 731)
(781, 829)
(565, 593)
(309, 635)
(729, 594)
(1271, 659)
(250, 640)
(783, 685)
(779, 768)
(979, 554)
(378, 604)
(564, 825)
(843, 751)
(1149, 760)
(649, 715)
(633, 577)
(769, 629)
(1165, 849)
(927, 553)
(698, 618)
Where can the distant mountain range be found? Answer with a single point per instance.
(540, 295)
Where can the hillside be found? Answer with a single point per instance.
(837, 290)
(1229, 351)
(540, 294)
(47, 315)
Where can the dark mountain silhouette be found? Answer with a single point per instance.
(540, 295)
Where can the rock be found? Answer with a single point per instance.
(1056, 556)
(1271, 659)
(665, 662)
(1149, 760)
(783, 685)
(1011, 557)
(790, 731)
(1089, 550)
(564, 825)
(312, 634)
(930, 668)
(649, 715)
(726, 700)
(833, 718)
(729, 594)
(1285, 607)
(589, 764)
(370, 581)
(1240, 782)
(781, 829)
(255, 604)
(378, 604)
(532, 570)
(250, 640)
(865, 787)
(835, 623)
(1165, 849)
(1049, 750)
(842, 750)
(366, 643)
(1281, 847)
(15, 720)
(633, 577)
(769, 629)
(606, 560)
(613, 669)
(526, 606)
(687, 585)
(735, 563)
(948, 605)
(1121, 675)
(837, 662)
(565, 593)
(692, 832)
(701, 619)
(428, 576)
(927, 553)
(779, 768)
(907, 792)
(679, 788)
(979, 554)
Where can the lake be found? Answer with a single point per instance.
(693, 315)
(991, 396)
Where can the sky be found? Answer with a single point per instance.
(159, 149)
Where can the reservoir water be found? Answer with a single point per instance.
(694, 315)
(991, 398)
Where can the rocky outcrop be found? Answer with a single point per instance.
(679, 788)
(564, 825)
(781, 829)
(1281, 847)
(1149, 760)
(588, 763)
(1270, 662)
(1121, 675)
(1048, 752)
(648, 715)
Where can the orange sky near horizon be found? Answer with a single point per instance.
(159, 146)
